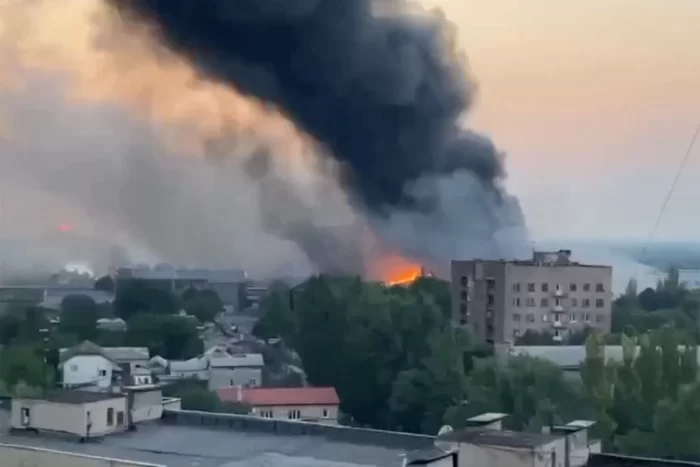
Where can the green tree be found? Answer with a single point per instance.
(24, 364)
(79, 317)
(203, 304)
(171, 337)
(137, 296)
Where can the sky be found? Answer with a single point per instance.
(595, 103)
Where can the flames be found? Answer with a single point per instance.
(394, 269)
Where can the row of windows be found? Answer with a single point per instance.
(573, 317)
(557, 333)
(544, 303)
(573, 287)
(110, 417)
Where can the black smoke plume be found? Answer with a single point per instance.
(380, 89)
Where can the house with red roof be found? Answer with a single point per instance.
(308, 404)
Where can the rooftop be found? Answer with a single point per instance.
(260, 397)
(505, 438)
(188, 446)
(220, 358)
(75, 397)
(615, 460)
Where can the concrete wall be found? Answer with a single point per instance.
(49, 416)
(505, 456)
(69, 418)
(148, 405)
(25, 456)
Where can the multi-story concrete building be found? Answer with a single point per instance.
(500, 300)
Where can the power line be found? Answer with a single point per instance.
(664, 205)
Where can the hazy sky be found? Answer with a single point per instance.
(595, 103)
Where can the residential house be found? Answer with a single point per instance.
(233, 370)
(309, 404)
(194, 368)
(84, 414)
(88, 365)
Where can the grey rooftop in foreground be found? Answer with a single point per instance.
(195, 439)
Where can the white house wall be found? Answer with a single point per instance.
(50, 416)
(83, 369)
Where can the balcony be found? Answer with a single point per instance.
(557, 337)
(559, 293)
(558, 324)
(558, 308)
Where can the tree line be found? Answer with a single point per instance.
(397, 363)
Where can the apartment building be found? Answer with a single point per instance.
(500, 300)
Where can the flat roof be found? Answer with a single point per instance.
(74, 397)
(514, 439)
(187, 446)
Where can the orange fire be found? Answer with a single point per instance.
(396, 270)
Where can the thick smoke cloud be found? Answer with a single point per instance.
(380, 89)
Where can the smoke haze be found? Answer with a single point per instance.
(156, 146)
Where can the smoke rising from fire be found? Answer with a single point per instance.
(380, 92)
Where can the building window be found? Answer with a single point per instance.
(294, 415)
(490, 284)
(516, 287)
(599, 318)
(545, 287)
(599, 287)
(530, 302)
(74, 368)
(545, 317)
(530, 318)
(572, 287)
(120, 418)
(586, 317)
(516, 302)
(103, 372)
(325, 413)
(586, 287)
(531, 287)
(489, 314)
(574, 303)
(585, 303)
(516, 316)
(463, 295)
(490, 300)
(516, 332)
(463, 309)
(599, 303)
(464, 281)
(544, 303)
(110, 416)
(572, 317)
(557, 302)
